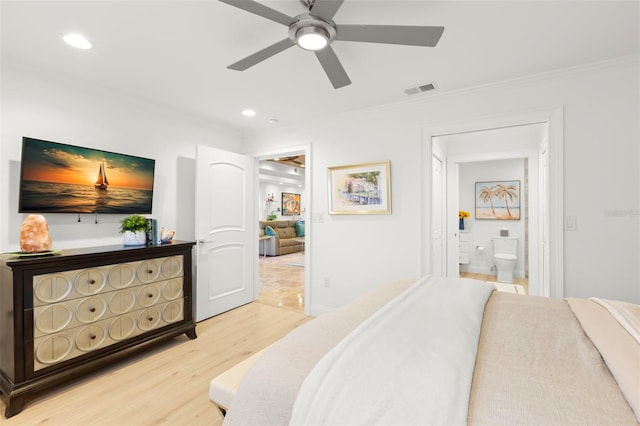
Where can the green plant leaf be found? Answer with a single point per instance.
(134, 223)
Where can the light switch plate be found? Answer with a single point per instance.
(570, 223)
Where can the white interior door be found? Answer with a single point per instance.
(225, 226)
(437, 207)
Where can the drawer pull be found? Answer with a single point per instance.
(92, 337)
(92, 309)
(149, 318)
(92, 281)
(150, 295)
(150, 271)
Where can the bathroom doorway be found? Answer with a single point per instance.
(545, 213)
(506, 154)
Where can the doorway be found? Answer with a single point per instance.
(282, 197)
(544, 227)
(505, 154)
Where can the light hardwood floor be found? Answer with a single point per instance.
(524, 282)
(168, 385)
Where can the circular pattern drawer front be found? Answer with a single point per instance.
(172, 267)
(148, 295)
(53, 349)
(53, 318)
(121, 276)
(172, 311)
(91, 309)
(148, 319)
(122, 327)
(122, 302)
(90, 281)
(148, 271)
(90, 338)
(172, 289)
(51, 288)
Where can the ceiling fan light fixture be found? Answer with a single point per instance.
(77, 40)
(312, 38)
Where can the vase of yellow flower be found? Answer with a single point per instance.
(462, 215)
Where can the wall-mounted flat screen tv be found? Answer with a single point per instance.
(61, 178)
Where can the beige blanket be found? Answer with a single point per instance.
(535, 366)
(612, 327)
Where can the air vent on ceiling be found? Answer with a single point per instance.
(414, 90)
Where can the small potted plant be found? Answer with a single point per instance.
(271, 217)
(134, 230)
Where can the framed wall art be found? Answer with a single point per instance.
(290, 204)
(360, 188)
(498, 200)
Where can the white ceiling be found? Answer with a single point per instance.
(175, 53)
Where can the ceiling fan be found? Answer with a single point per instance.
(316, 30)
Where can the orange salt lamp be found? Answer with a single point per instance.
(34, 234)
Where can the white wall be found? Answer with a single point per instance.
(601, 179)
(46, 107)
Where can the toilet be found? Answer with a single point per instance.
(504, 257)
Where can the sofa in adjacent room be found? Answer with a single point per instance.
(287, 236)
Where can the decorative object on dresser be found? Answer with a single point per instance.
(67, 315)
(166, 236)
(34, 235)
(134, 230)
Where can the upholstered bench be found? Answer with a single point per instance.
(223, 387)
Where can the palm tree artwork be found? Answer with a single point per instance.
(486, 195)
(506, 193)
(498, 200)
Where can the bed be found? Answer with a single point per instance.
(450, 351)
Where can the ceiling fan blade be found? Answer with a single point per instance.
(332, 67)
(326, 9)
(261, 55)
(261, 10)
(391, 34)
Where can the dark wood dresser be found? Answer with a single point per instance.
(67, 314)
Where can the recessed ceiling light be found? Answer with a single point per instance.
(248, 112)
(77, 40)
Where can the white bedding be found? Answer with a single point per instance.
(534, 366)
(436, 358)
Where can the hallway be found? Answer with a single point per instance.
(282, 279)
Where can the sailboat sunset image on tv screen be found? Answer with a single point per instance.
(60, 178)
(102, 182)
